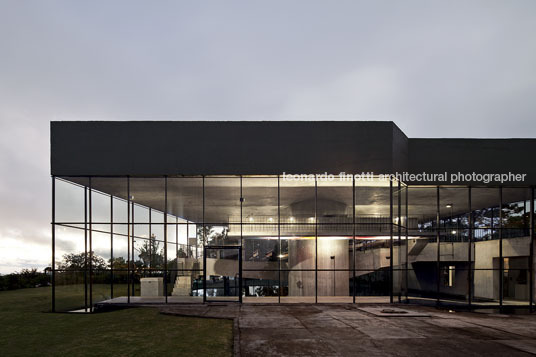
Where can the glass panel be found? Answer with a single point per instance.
(372, 286)
(222, 199)
(185, 286)
(485, 203)
(149, 253)
(141, 214)
(334, 252)
(260, 253)
(260, 203)
(101, 285)
(140, 230)
(100, 207)
(453, 281)
(298, 286)
(454, 242)
(151, 285)
(422, 211)
(101, 246)
(372, 210)
(297, 206)
(70, 290)
(157, 232)
(185, 198)
(147, 192)
(334, 286)
(486, 285)
(172, 250)
(69, 200)
(120, 210)
(516, 287)
(221, 235)
(120, 251)
(261, 286)
(298, 253)
(120, 279)
(70, 248)
(222, 281)
(157, 216)
(334, 204)
(102, 228)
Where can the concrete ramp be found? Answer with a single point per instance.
(418, 247)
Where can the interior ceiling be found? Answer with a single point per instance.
(222, 197)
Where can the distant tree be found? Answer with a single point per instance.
(26, 278)
(514, 217)
(118, 263)
(150, 253)
(77, 261)
(216, 235)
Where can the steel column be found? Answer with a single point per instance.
(501, 259)
(316, 240)
(353, 241)
(85, 249)
(128, 239)
(279, 236)
(391, 240)
(111, 246)
(165, 239)
(438, 242)
(90, 247)
(53, 267)
(531, 257)
(470, 251)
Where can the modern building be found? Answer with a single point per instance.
(287, 212)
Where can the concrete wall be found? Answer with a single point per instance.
(302, 256)
(423, 269)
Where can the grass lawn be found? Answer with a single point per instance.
(28, 328)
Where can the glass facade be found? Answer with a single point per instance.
(273, 240)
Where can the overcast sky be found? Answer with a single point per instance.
(436, 68)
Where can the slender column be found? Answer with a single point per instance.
(133, 286)
(241, 244)
(279, 236)
(316, 240)
(399, 222)
(469, 251)
(204, 249)
(85, 249)
(165, 238)
(353, 241)
(438, 242)
(151, 241)
(407, 244)
(177, 248)
(501, 260)
(90, 247)
(391, 240)
(53, 267)
(531, 257)
(128, 239)
(111, 246)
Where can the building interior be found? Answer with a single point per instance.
(266, 239)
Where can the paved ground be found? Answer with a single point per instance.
(352, 330)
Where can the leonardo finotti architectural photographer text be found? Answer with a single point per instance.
(451, 178)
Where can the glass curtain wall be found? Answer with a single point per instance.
(281, 240)
(471, 246)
